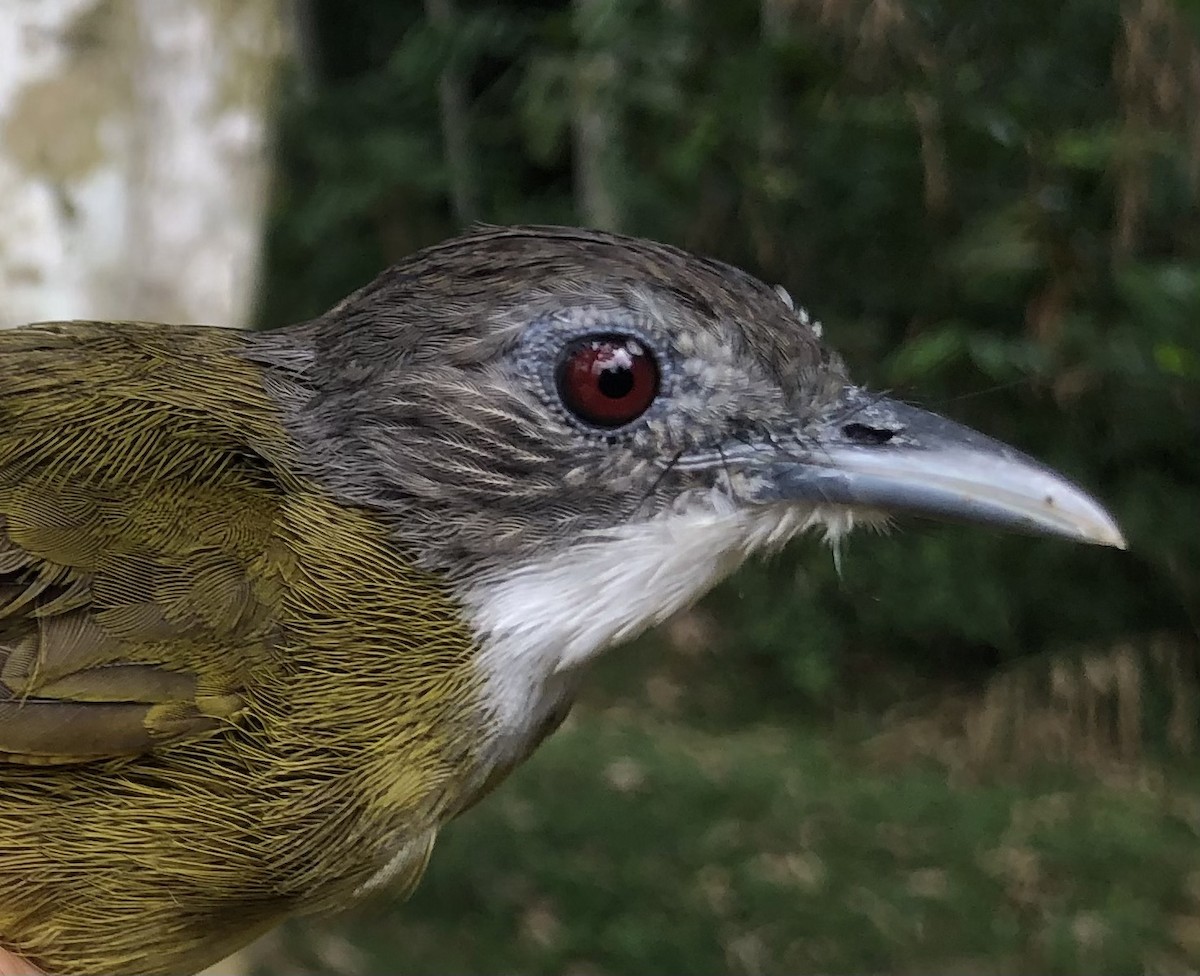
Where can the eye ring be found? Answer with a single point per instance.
(607, 380)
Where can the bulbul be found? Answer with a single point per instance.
(274, 607)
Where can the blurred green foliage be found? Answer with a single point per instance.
(993, 208)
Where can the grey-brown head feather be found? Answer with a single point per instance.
(428, 395)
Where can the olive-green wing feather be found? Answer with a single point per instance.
(138, 576)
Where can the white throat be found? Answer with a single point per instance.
(540, 622)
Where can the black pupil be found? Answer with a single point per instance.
(615, 381)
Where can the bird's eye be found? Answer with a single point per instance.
(607, 381)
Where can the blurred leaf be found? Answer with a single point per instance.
(1004, 358)
(925, 355)
(1177, 360)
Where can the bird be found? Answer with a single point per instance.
(277, 606)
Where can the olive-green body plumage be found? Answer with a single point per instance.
(166, 581)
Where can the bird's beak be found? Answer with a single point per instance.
(883, 455)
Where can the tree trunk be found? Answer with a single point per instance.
(133, 157)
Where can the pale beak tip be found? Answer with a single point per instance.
(1080, 514)
(1111, 535)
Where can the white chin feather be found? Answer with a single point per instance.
(538, 623)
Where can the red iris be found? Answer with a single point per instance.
(608, 381)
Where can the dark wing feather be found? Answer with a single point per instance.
(137, 587)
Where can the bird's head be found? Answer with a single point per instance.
(584, 432)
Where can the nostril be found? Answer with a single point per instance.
(863, 434)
